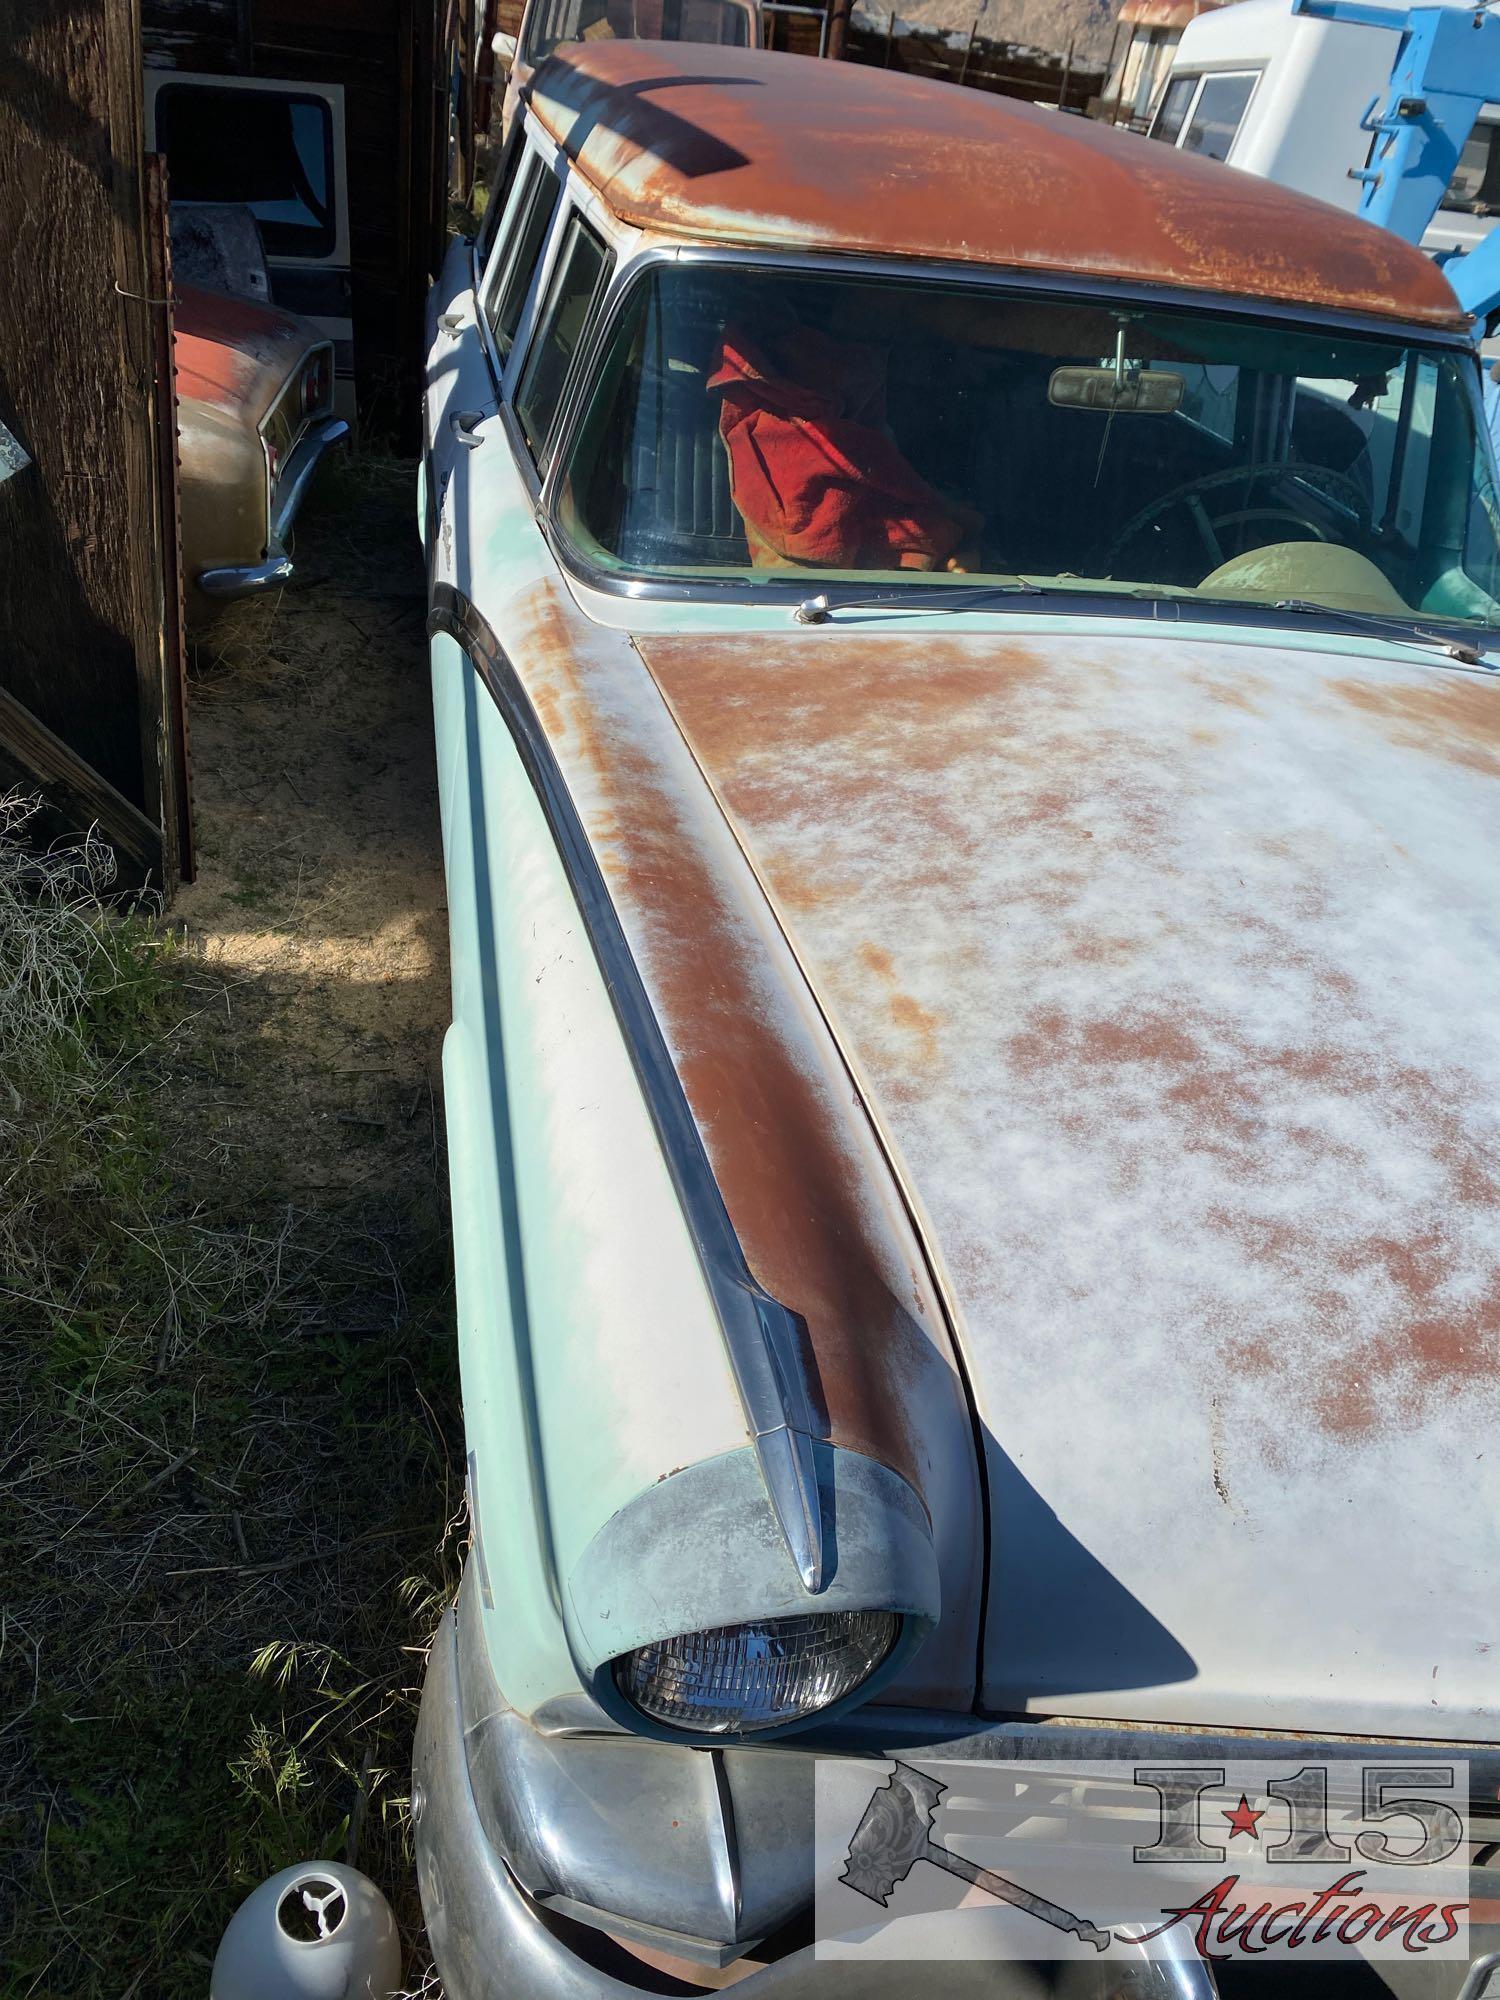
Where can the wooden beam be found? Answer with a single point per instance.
(35, 760)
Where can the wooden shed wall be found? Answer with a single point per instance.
(86, 557)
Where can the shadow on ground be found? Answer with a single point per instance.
(235, 1466)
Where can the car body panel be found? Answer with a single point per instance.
(571, 1279)
(1168, 969)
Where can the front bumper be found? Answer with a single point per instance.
(494, 1941)
(275, 569)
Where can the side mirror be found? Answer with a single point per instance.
(504, 47)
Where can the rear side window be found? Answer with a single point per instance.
(577, 280)
(512, 282)
(273, 152)
(552, 22)
(499, 196)
(1217, 114)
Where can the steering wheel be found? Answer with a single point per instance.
(1245, 478)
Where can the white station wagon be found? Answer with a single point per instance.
(965, 657)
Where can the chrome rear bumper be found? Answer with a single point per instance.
(245, 579)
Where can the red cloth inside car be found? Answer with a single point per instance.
(815, 477)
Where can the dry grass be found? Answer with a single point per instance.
(227, 1490)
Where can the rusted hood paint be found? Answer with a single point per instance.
(231, 354)
(742, 146)
(1169, 974)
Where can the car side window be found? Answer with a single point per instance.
(521, 248)
(498, 199)
(578, 278)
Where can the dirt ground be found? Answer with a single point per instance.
(319, 892)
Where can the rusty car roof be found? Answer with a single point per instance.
(744, 146)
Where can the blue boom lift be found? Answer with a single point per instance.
(1446, 69)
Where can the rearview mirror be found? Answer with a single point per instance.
(1136, 392)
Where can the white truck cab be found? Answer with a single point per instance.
(1283, 95)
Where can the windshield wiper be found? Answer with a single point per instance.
(905, 596)
(1469, 651)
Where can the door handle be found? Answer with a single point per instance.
(452, 322)
(464, 424)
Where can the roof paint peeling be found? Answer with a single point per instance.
(741, 146)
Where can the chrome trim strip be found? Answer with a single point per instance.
(487, 345)
(880, 1731)
(764, 1339)
(245, 579)
(300, 466)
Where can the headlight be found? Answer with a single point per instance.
(738, 1678)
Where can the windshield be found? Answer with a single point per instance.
(749, 421)
(549, 23)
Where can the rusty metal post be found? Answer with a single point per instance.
(963, 69)
(838, 29)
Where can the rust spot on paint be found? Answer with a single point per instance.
(932, 794)
(1455, 716)
(907, 1014)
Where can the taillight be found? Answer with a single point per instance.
(273, 460)
(315, 378)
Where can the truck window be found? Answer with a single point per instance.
(552, 22)
(1217, 113)
(269, 151)
(1475, 187)
(1174, 108)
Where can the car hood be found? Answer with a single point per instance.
(1168, 972)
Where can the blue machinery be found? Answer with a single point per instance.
(1446, 69)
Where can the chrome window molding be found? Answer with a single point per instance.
(764, 1340)
(1051, 603)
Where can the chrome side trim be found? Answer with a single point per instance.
(300, 466)
(764, 1340)
(245, 579)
